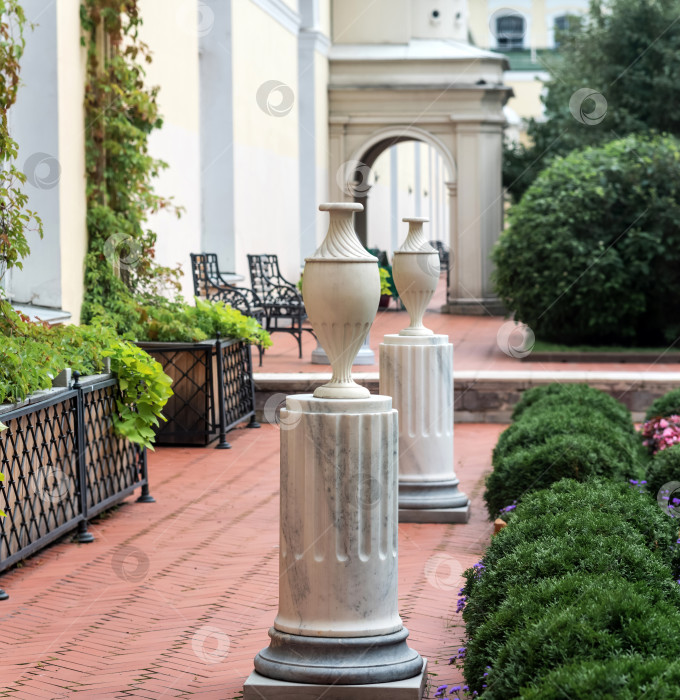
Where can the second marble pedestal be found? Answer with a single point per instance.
(338, 622)
(417, 372)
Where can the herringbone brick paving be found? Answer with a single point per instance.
(174, 599)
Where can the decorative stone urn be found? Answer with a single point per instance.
(341, 290)
(416, 370)
(416, 274)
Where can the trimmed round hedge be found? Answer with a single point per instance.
(629, 677)
(576, 456)
(596, 507)
(663, 468)
(592, 251)
(664, 406)
(556, 395)
(604, 622)
(526, 605)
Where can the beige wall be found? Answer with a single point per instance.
(265, 145)
(171, 30)
(71, 59)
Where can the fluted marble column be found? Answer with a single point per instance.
(416, 370)
(338, 632)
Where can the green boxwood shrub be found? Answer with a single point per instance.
(541, 398)
(629, 677)
(592, 251)
(604, 622)
(569, 506)
(663, 468)
(537, 427)
(664, 406)
(624, 552)
(525, 605)
(579, 457)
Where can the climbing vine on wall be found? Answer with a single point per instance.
(120, 113)
(16, 220)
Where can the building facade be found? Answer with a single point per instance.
(270, 107)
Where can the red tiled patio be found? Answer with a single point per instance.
(174, 599)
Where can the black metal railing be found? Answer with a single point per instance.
(213, 390)
(63, 464)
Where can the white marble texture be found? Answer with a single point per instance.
(338, 556)
(417, 372)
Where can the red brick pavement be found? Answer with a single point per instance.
(174, 599)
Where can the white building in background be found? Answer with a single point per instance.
(270, 107)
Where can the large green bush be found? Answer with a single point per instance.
(592, 252)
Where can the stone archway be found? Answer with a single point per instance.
(450, 97)
(363, 159)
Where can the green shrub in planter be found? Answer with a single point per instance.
(664, 406)
(663, 468)
(624, 552)
(595, 507)
(629, 677)
(533, 458)
(592, 250)
(611, 620)
(525, 604)
(556, 395)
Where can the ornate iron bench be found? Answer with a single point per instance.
(209, 284)
(281, 299)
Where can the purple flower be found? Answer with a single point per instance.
(440, 691)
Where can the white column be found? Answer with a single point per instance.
(416, 370)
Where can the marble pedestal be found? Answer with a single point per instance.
(338, 621)
(417, 372)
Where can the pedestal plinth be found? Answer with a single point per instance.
(338, 620)
(417, 372)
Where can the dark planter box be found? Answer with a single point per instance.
(213, 390)
(63, 464)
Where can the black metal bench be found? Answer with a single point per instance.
(283, 305)
(209, 284)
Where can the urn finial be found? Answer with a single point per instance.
(416, 273)
(341, 291)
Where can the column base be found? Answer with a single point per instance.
(258, 687)
(487, 306)
(336, 661)
(426, 495)
(435, 515)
